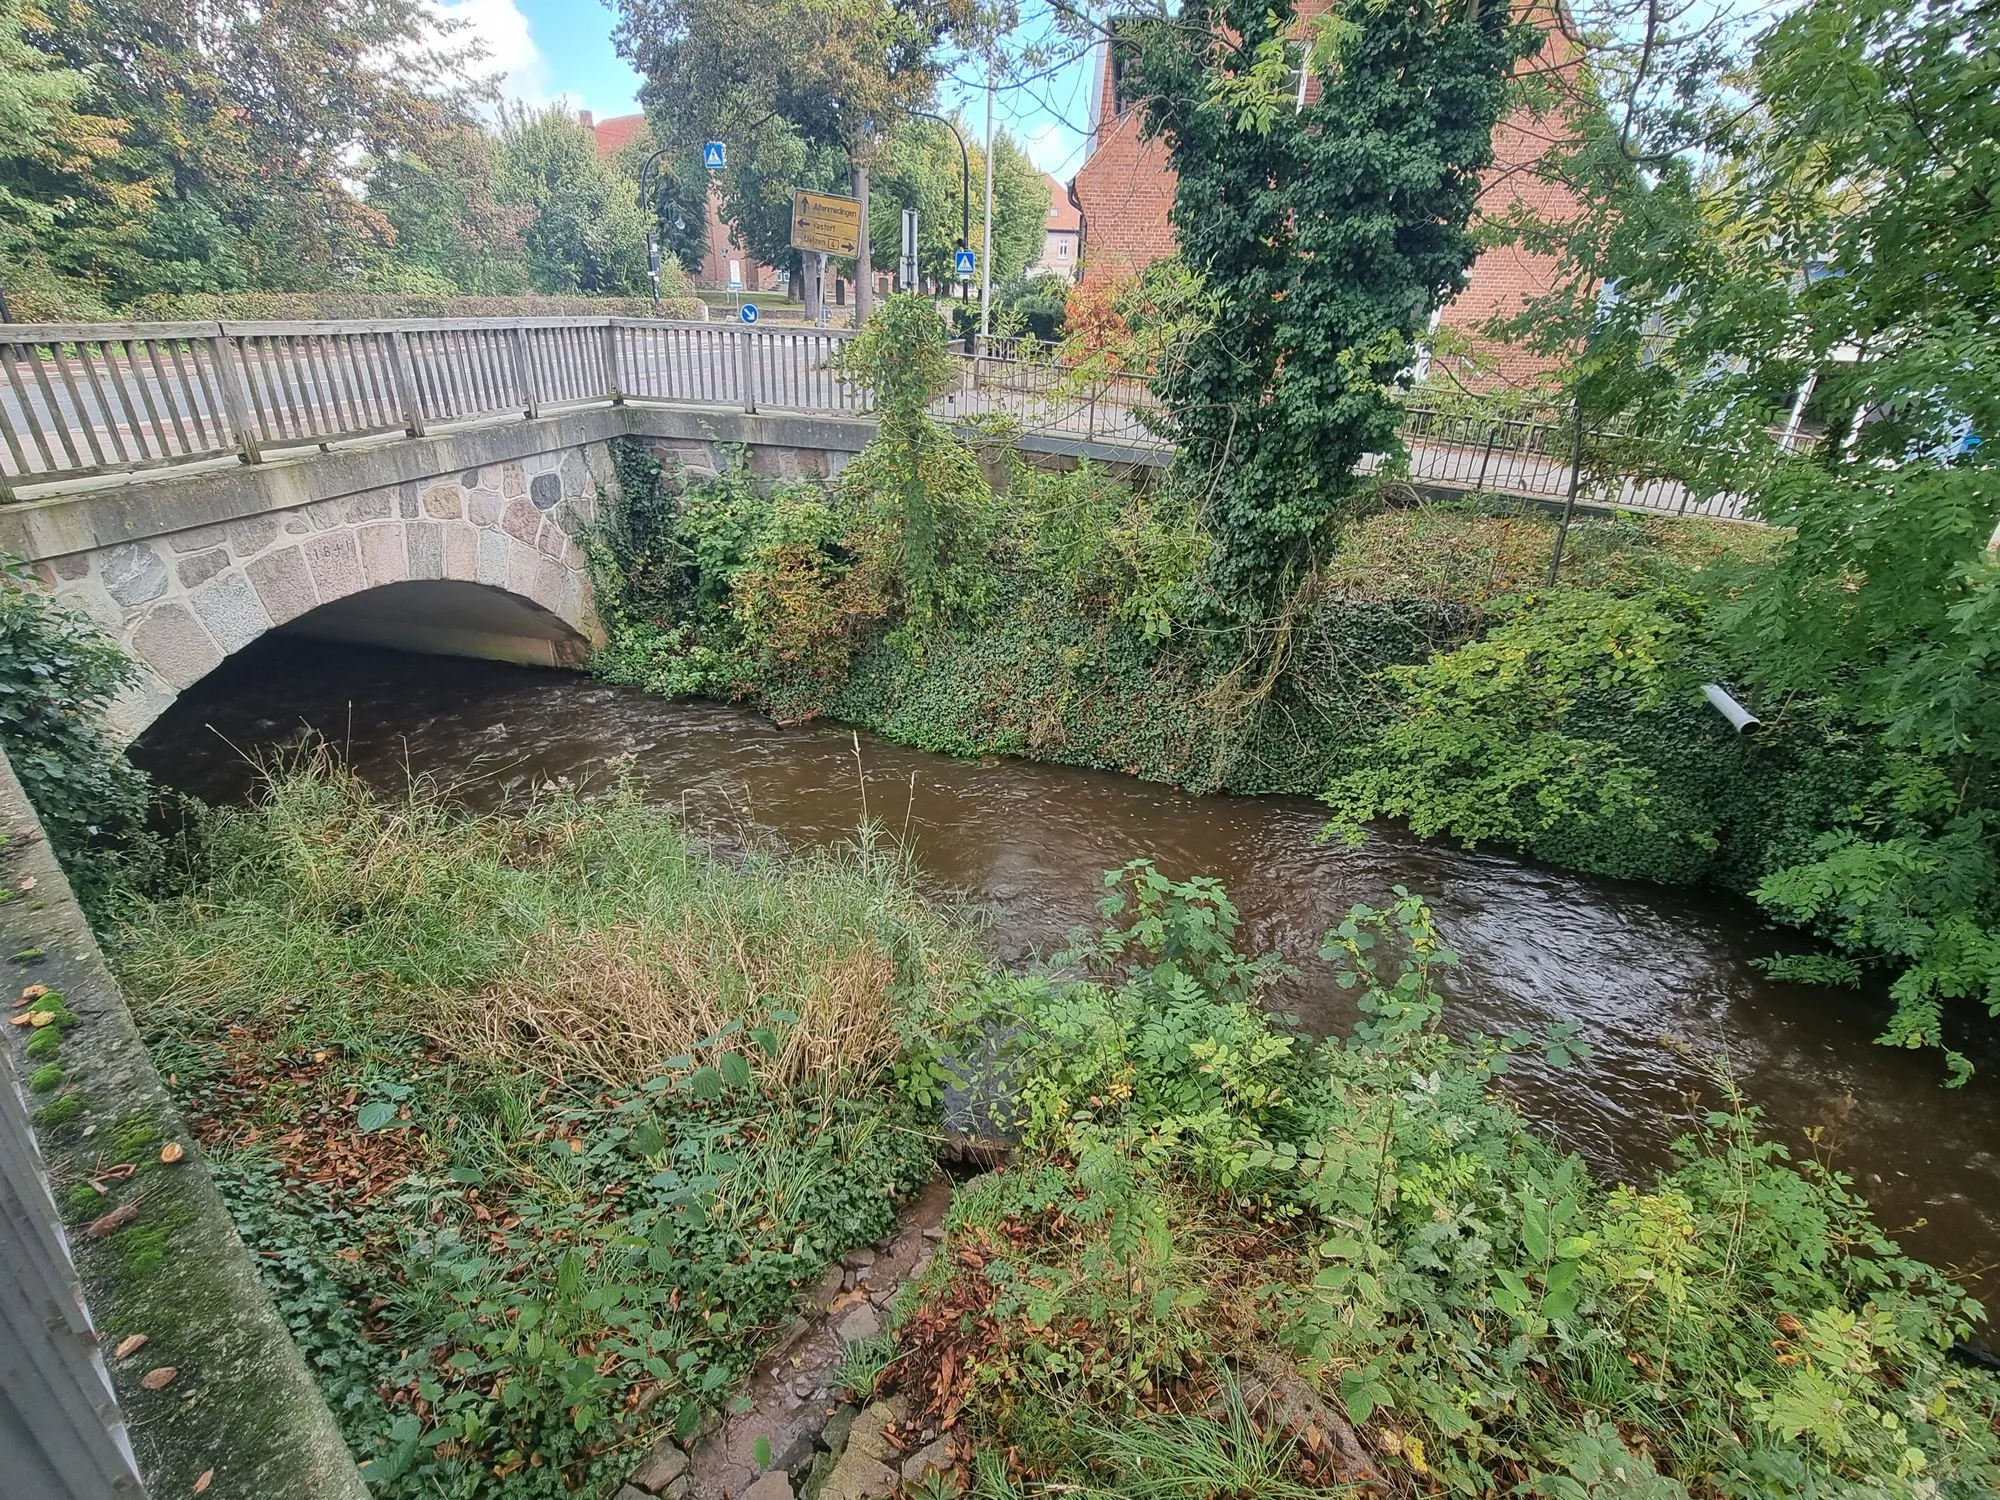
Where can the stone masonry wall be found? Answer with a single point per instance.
(180, 602)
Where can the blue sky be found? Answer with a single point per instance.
(551, 50)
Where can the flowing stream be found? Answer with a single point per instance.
(1646, 972)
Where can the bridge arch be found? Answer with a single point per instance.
(481, 562)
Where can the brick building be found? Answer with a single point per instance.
(1125, 189)
(1062, 235)
(720, 251)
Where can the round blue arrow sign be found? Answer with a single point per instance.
(747, 312)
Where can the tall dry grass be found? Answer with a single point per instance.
(577, 938)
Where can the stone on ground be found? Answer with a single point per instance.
(862, 1323)
(932, 1458)
(661, 1467)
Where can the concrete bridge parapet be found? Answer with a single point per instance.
(470, 542)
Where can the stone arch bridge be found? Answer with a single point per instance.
(423, 485)
(468, 548)
(429, 484)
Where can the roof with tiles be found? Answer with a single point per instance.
(1064, 216)
(615, 134)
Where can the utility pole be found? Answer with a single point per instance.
(986, 246)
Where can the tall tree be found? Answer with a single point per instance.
(799, 89)
(919, 166)
(448, 221)
(51, 147)
(584, 230)
(1814, 251)
(241, 123)
(1325, 234)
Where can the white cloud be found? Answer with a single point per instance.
(503, 32)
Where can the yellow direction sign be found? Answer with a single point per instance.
(821, 221)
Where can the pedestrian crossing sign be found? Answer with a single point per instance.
(712, 156)
(963, 264)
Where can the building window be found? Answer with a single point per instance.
(1124, 47)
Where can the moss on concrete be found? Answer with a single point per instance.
(59, 1112)
(133, 1134)
(243, 1403)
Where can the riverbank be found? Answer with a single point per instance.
(502, 1236)
(536, 1122)
(1423, 671)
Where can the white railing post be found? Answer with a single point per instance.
(232, 376)
(743, 369)
(403, 370)
(614, 388)
(524, 372)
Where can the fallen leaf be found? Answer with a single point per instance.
(130, 1345)
(32, 992)
(112, 1222)
(28, 884)
(202, 1483)
(26, 1018)
(40, 1017)
(155, 1380)
(576, 1146)
(171, 1152)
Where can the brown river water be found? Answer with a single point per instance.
(1635, 966)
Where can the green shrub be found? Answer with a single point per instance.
(1545, 734)
(57, 673)
(1198, 1182)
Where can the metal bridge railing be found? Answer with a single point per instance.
(79, 400)
(85, 399)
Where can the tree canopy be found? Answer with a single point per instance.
(800, 90)
(1800, 304)
(919, 167)
(237, 126)
(585, 231)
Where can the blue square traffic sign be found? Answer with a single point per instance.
(712, 156)
(963, 264)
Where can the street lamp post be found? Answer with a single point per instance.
(964, 187)
(649, 185)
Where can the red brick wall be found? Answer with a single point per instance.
(719, 247)
(1126, 189)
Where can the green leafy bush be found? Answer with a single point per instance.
(57, 674)
(1545, 734)
(1112, 551)
(916, 488)
(1198, 1180)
